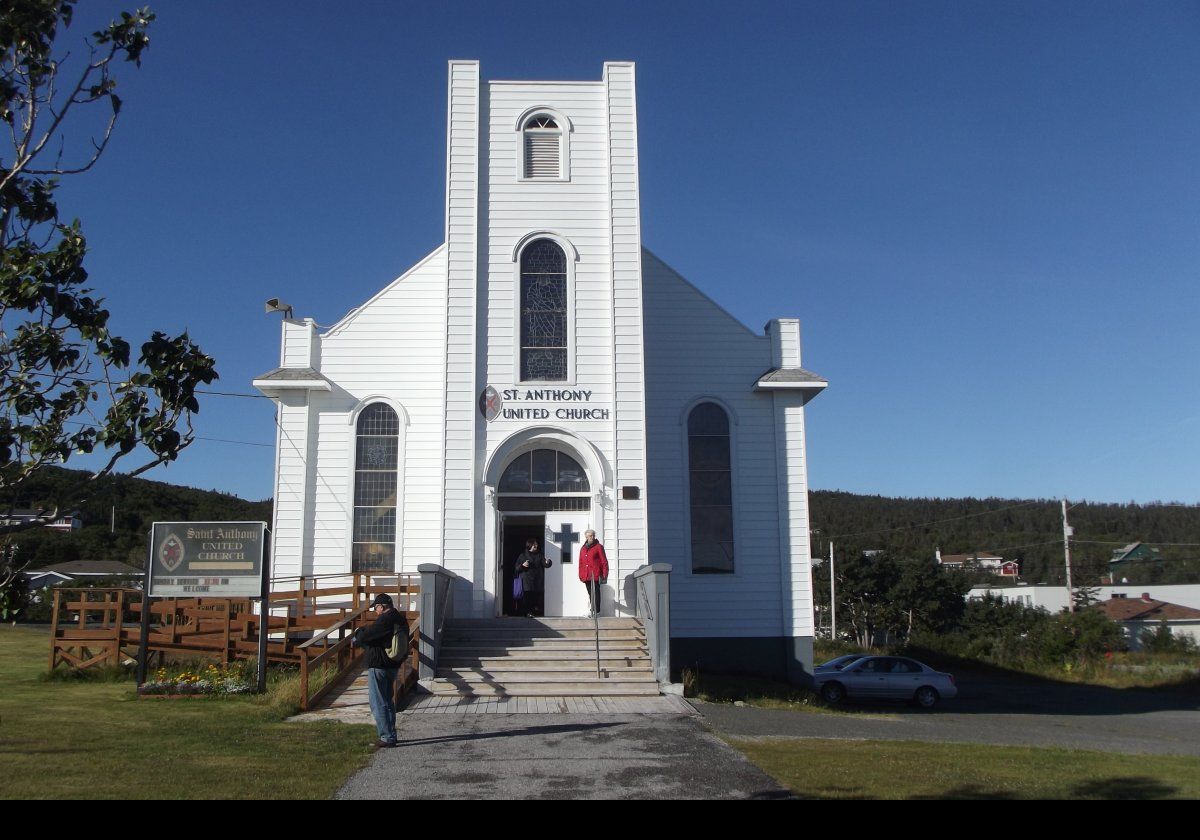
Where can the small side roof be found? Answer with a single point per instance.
(281, 379)
(791, 379)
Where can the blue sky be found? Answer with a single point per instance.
(986, 215)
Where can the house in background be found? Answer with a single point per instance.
(1137, 615)
(68, 523)
(81, 570)
(980, 561)
(1136, 552)
(1055, 599)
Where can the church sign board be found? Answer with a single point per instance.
(540, 403)
(207, 559)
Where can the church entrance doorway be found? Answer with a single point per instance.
(543, 494)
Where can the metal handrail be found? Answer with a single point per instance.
(443, 610)
(645, 599)
(594, 608)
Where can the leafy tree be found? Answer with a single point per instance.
(67, 384)
(1162, 640)
(1085, 596)
(14, 587)
(863, 587)
(930, 598)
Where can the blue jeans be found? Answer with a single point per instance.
(380, 683)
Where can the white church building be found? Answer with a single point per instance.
(541, 373)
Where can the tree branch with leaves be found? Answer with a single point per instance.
(67, 384)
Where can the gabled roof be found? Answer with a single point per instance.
(88, 567)
(1143, 609)
(1120, 555)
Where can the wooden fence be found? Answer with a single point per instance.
(310, 622)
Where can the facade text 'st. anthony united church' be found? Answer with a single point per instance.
(541, 373)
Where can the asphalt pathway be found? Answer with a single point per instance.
(559, 757)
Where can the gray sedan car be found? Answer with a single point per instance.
(890, 677)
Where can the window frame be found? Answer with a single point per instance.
(572, 256)
(352, 462)
(564, 145)
(734, 490)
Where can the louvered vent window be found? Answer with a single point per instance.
(543, 148)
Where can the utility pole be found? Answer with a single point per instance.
(1067, 532)
(832, 598)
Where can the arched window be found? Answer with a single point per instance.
(376, 479)
(710, 482)
(542, 148)
(543, 312)
(544, 479)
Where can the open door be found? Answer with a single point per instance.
(514, 531)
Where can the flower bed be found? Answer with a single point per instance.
(204, 681)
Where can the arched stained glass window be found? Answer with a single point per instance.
(376, 479)
(543, 312)
(710, 482)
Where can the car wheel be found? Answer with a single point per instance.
(926, 697)
(833, 693)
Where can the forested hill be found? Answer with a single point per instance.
(1026, 530)
(138, 503)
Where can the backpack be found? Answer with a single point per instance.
(395, 651)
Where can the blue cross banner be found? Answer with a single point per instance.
(565, 537)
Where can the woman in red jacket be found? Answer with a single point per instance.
(593, 568)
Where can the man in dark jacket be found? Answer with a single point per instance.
(381, 670)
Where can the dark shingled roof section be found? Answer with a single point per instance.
(90, 567)
(791, 375)
(291, 375)
(1135, 609)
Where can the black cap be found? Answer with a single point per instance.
(381, 598)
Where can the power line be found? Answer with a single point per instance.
(1027, 545)
(198, 390)
(194, 437)
(1144, 542)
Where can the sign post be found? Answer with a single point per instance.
(208, 560)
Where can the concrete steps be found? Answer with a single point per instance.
(544, 657)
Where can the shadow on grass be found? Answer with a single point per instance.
(989, 689)
(1129, 787)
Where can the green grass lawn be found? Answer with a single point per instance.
(96, 740)
(826, 769)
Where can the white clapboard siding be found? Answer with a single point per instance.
(293, 461)
(628, 372)
(697, 350)
(462, 248)
(388, 348)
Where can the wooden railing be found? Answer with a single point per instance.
(310, 620)
(321, 650)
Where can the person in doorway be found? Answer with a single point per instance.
(593, 569)
(531, 566)
(376, 641)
